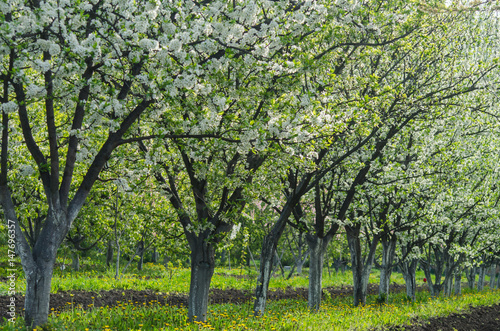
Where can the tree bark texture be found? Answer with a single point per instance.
(37, 298)
(317, 249)
(493, 274)
(409, 269)
(360, 267)
(388, 253)
(266, 266)
(109, 253)
(268, 251)
(458, 283)
(75, 264)
(202, 270)
(471, 277)
(480, 281)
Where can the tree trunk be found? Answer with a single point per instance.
(300, 264)
(140, 263)
(480, 281)
(37, 297)
(449, 275)
(155, 256)
(471, 277)
(458, 282)
(493, 275)
(140, 253)
(109, 253)
(75, 264)
(269, 245)
(38, 267)
(434, 285)
(118, 252)
(266, 266)
(388, 251)
(448, 283)
(409, 269)
(202, 270)
(317, 249)
(357, 270)
(360, 269)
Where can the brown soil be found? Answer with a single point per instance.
(480, 318)
(484, 318)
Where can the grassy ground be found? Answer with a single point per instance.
(336, 313)
(157, 278)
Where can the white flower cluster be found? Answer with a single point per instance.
(34, 91)
(9, 107)
(26, 170)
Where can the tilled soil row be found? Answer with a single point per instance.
(483, 318)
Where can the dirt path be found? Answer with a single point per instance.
(485, 318)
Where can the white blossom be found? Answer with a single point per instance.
(9, 107)
(148, 44)
(34, 90)
(27, 170)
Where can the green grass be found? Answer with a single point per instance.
(335, 314)
(173, 280)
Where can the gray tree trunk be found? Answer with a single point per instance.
(202, 270)
(388, 253)
(266, 266)
(449, 275)
(37, 297)
(493, 275)
(471, 277)
(448, 283)
(140, 263)
(360, 269)
(435, 286)
(109, 253)
(117, 266)
(458, 282)
(480, 281)
(300, 264)
(409, 269)
(269, 245)
(155, 256)
(75, 264)
(39, 270)
(317, 249)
